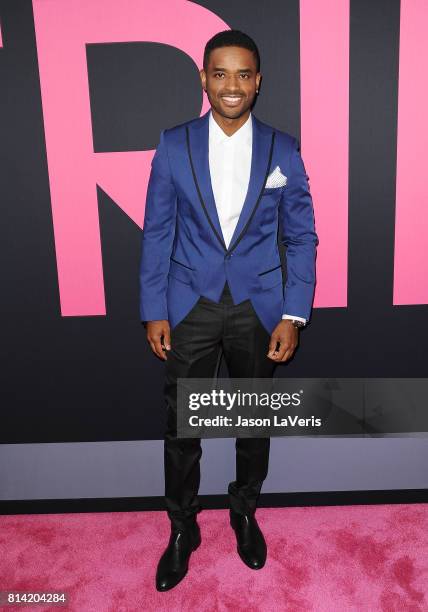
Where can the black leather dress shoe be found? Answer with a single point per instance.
(251, 543)
(174, 563)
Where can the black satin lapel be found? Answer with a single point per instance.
(260, 167)
(197, 145)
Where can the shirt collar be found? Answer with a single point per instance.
(244, 134)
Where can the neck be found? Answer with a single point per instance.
(230, 125)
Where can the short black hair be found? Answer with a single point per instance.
(231, 38)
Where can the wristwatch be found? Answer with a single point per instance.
(298, 323)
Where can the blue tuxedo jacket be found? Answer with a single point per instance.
(183, 251)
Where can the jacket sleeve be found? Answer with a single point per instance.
(297, 233)
(157, 237)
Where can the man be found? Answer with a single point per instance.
(211, 280)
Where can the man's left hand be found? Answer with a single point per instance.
(287, 336)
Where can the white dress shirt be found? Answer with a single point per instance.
(230, 167)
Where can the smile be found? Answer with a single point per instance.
(232, 100)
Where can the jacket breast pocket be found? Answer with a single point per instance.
(273, 190)
(271, 277)
(181, 272)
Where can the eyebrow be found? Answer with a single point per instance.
(224, 69)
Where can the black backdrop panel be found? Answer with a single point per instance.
(94, 378)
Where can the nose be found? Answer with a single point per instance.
(232, 83)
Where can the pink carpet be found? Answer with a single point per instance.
(338, 558)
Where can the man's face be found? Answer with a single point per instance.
(231, 80)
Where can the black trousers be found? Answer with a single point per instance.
(197, 343)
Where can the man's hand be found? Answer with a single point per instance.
(155, 331)
(287, 336)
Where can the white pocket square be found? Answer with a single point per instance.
(276, 179)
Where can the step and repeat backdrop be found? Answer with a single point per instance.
(86, 88)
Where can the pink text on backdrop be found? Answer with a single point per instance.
(62, 31)
(74, 169)
(324, 76)
(411, 213)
